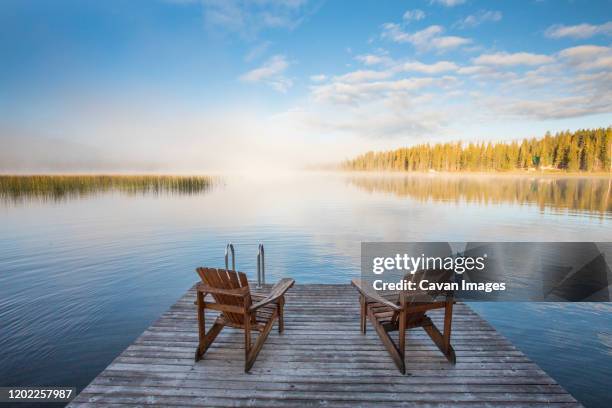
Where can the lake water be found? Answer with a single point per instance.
(82, 276)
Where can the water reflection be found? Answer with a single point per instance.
(570, 341)
(606, 340)
(590, 194)
(135, 255)
(15, 189)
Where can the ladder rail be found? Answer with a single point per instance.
(230, 248)
(261, 266)
(261, 263)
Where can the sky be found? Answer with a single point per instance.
(211, 85)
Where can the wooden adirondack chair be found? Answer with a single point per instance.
(401, 311)
(233, 298)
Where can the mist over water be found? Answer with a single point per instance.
(82, 276)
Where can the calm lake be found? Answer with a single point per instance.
(82, 274)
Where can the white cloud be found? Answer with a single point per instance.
(474, 70)
(371, 59)
(447, 3)
(318, 78)
(498, 88)
(390, 96)
(480, 17)
(339, 92)
(271, 73)
(274, 66)
(431, 69)
(544, 75)
(507, 59)
(594, 83)
(394, 67)
(414, 15)
(584, 52)
(415, 99)
(394, 33)
(257, 51)
(383, 115)
(363, 76)
(428, 38)
(588, 57)
(556, 108)
(247, 18)
(579, 31)
(369, 123)
(448, 42)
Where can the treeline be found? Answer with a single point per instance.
(586, 150)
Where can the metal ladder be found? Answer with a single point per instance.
(261, 267)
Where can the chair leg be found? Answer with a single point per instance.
(448, 319)
(208, 340)
(362, 316)
(201, 323)
(247, 340)
(205, 339)
(279, 308)
(402, 335)
(439, 340)
(396, 355)
(252, 352)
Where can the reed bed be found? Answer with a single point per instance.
(60, 187)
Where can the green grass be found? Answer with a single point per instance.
(52, 187)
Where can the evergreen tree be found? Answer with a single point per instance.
(583, 150)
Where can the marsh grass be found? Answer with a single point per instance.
(15, 188)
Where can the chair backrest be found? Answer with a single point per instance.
(433, 273)
(427, 298)
(222, 279)
(432, 276)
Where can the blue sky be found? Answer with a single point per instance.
(209, 84)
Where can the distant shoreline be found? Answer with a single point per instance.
(585, 150)
(510, 173)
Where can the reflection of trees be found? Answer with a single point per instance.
(584, 194)
(61, 187)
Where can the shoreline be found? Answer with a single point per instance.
(512, 173)
(530, 174)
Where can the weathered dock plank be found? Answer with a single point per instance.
(322, 359)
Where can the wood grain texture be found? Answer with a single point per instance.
(321, 359)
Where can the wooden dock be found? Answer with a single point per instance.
(322, 359)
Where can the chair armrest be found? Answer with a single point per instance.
(371, 294)
(277, 291)
(238, 292)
